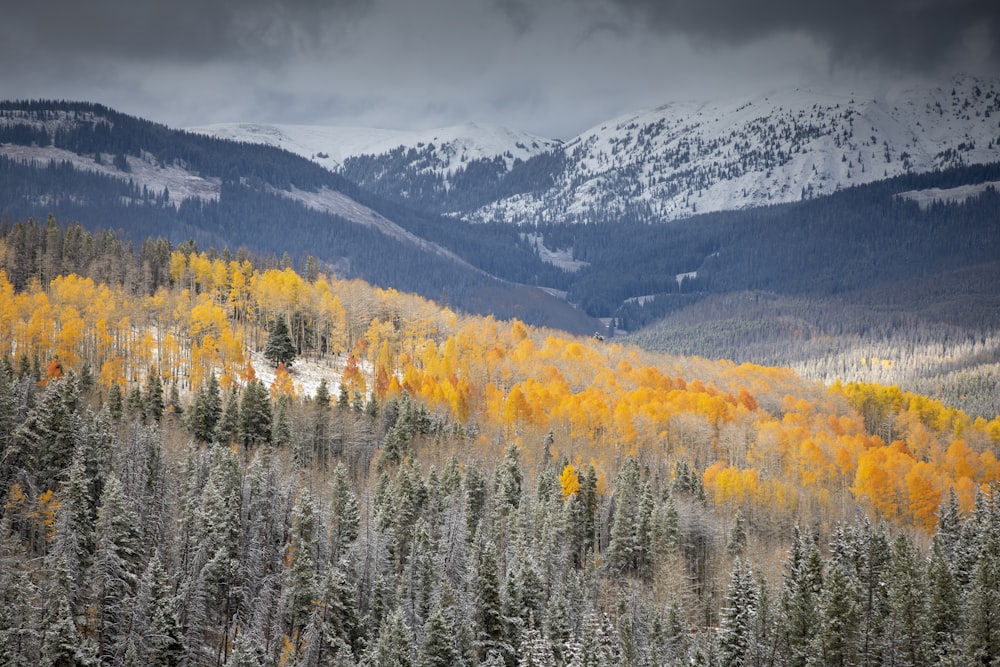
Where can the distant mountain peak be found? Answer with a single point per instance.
(667, 162)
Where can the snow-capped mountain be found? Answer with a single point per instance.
(665, 163)
(681, 159)
(443, 150)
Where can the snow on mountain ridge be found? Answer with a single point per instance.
(680, 159)
(330, 146)
(684, 158)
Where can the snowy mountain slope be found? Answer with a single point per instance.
(173, 182)
(681, 159)
(330, 146)
(665, 163)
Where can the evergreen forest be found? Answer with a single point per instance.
(209, 459)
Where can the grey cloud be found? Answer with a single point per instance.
(520, 13)
(916, 35)
(179, 30)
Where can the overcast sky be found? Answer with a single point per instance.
(553, 67)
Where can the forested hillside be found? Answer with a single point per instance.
(110, 171)
(416, 487)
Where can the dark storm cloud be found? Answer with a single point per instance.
(178, 30)
(554, 67)
(916, 35)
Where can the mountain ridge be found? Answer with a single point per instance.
(683, 158)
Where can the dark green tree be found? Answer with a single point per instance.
(206, 411)
(153, 396)
(438, 646)
(836, 637)
(255, 415)
(279, 349)
(738, 622)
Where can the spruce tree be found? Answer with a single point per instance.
(394, 646)
(345, 517)
(944, 605)
(438, 646)
(228, 428)
(738, 621)
(983, 606)
(488, 612)
(19, 628)
(801, 585)
(279, 348)
(153, 396)
(255, 415)
(117, 564)
(836, 637)
(301, 589)
(206, 410)
(115, 401)
(907, 631)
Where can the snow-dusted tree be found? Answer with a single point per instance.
(737, 631)
(907, 632)
(801, 586)
(836, 639)
(394, 646)
(301, 586)
(19, 628)
(438, 646)
(344, 519)
(117, 564)
(255, 415)
(206, 411)
(983, 607)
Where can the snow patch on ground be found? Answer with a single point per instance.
(306, 373)
(180, 183)
(331, 201)
(926, 198)
(561, 258)
(681, 277)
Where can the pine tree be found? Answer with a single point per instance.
(623, 547)
(44, 442)
(438, 646)
(153, 396)
(534, 650)
(488, 612)
(872, 555)
(837, 635)
(345, 518)
(281, 432)
(738, 621)
(279, 348)
(341, 627)
(509, 480)
(207, 410)
(135, 407)
(944, 605)
(394, 646)
(116, 568)
(301, 584)
(18, 626)
(228, 427)
(164, 635)
(115, 402)
(983, 607)
(907, 629)
(801, 585)
(255, 415)
(738, 535)
(62, 644)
